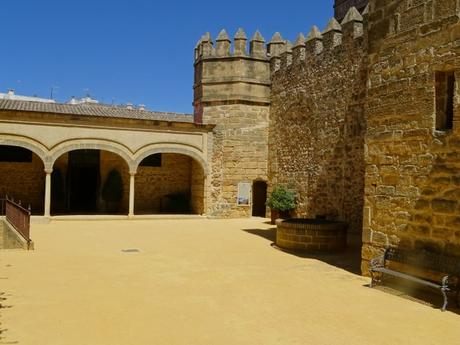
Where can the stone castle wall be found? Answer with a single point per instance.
(341, 7)
(352, 122)
(317, 122)
(412, 195)
(232, 91)
(240, 154)
(197, 188)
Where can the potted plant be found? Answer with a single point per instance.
(281, 202)
(112, 191)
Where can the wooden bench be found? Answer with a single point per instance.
(447, 266)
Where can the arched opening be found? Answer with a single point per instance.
(89, 181)
(259, 198)
(22, 177)
(169, 183)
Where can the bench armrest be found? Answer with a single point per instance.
(445, 281)
(451, 281)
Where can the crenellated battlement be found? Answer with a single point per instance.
(335, 40)
(229, 71)
(224, 47)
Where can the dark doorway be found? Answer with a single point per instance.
(83, 180)
(259, 197)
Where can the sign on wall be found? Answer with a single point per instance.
(244, 194)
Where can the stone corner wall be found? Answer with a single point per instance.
(412, 192)
(239, 154)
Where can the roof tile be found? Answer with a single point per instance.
(97, 110)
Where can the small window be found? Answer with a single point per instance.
(152, 161)
(15, 154)
(445, 97)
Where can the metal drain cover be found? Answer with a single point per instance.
(131, 250)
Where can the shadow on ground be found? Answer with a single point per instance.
(349, 260)
(417, 293)
(3, 330)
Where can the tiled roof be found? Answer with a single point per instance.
(88, 109)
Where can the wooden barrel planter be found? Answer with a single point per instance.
(311, 235)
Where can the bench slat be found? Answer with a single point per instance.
(406, 276)
(421, 259)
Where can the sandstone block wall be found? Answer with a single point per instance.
(25, 182)
(197, 188)
(412, 192)
(232, 91)
(317, 125)
(341, 7)
(239, 154)
(177, 174)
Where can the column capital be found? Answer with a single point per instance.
(48, 170)
(132, 173)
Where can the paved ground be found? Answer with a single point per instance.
(195, 282)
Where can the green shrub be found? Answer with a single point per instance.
(281, 199)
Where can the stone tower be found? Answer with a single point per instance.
(232, 91)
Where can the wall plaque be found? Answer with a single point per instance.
(244, 194)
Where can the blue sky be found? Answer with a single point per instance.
(138, 51)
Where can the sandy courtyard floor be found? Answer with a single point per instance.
(195, 282)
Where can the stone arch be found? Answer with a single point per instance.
(92, 144)
(170, 148)
(27, 143)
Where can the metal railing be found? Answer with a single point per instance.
(17, 216)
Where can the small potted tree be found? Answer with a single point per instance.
(281, 202)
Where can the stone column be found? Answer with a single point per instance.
(131, 194)
(48, 193)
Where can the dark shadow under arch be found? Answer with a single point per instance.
(89, 182)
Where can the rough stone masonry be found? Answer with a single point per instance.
(362, 120)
